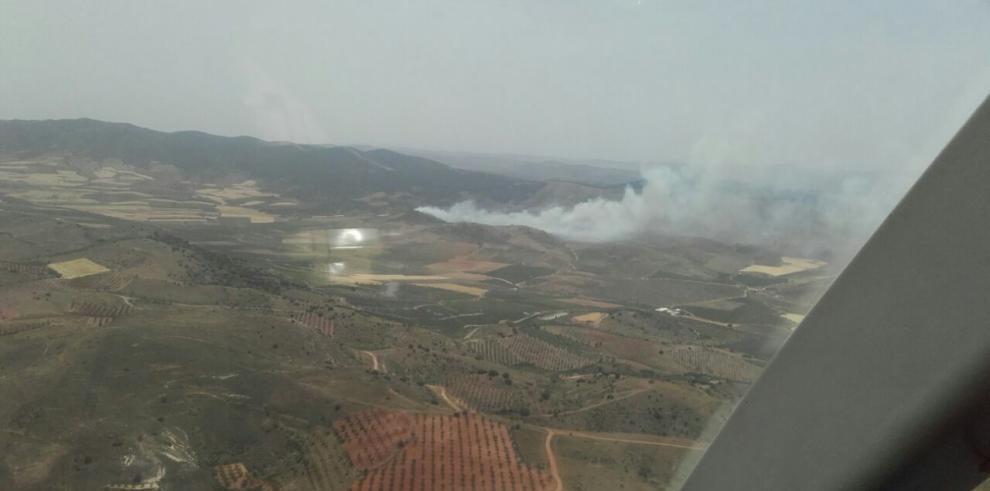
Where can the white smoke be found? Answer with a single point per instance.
(789, 209)
(595, 220)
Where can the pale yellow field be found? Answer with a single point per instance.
(587, 302)
(67, 188)
(126, 194)
(797, 318)
(790, 265)
(112, 173)
(242, 190)
(43, 183)
(377, 279)
(467, 277)
(454, 287)
(465, 264)
(256, 216)
(589, 318)
(77, 268)
(53, 196)
(140, 211)
(246, 189)
(45, 179)
(128, 174)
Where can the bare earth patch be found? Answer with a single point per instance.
(77, 268)
(594, 318)
(454, 287)
(587, 302)
(790, 265)
(377, 279)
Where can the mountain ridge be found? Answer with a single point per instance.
(305, 169)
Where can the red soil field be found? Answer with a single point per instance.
(459, 452)
(372, 437)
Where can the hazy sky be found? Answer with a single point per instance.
(850, 83)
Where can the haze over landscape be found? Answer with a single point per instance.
(377, 245)
(763, 91)
(761, 83)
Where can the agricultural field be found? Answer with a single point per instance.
(715, 362)
(465, 264)
(493, 351)
(114, 189)
(316, 321)
(524, 349)
(378, 279)
(638, 351)
(517, 273)
(788, 265)
(593, 318)
(326, 461)
(461, 451)
(77, 268)
(454, 287)
(485, 393)
(373, 437)
(587, 302)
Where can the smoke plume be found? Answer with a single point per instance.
(793, 210)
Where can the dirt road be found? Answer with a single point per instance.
(638, 440)
(442, 392)
(374, 360)
(648, 440)
(552, 459)
(599, 404)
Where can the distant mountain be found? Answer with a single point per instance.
(310, 171)
(599, 173)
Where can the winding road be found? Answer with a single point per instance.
(442, 392)
(374, 360)
(552, 459)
